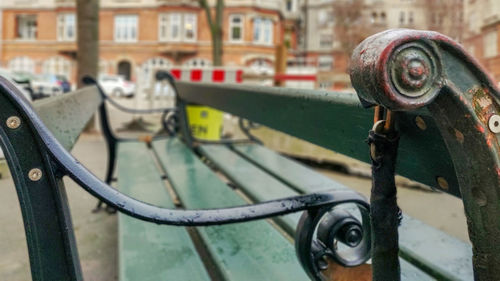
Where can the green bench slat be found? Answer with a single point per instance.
(67, 115)
(244, 251)
(429, 248)
(301, 178)
(262, 187)
(256, 183)
(148, 251)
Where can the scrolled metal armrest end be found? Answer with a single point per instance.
(333, 232)
(399, 69)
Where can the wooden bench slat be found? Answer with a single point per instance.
(302, 179)
(66, 115)
(261, 187)
(256, 183)
(148, 251)
(443, 255)
(243, 251)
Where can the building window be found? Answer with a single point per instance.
(325, 63)
(57, 66)
(401, 18)
(289, 5)
(236, 28)
(198, 63)
(26, 27)
(22, 64)
(263, 31)
(410, 18)
(189, 25)
(261, 66)
(151, 66)
(66, 27)
(490, 44)
(126, 28)
(325, 40)
(177, 27)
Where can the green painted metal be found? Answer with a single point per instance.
(244, 251)
(47, 222)
(430, 250)
(332, 120)
(66, 115)
(149, 251)
(464, 102)
(434, 251)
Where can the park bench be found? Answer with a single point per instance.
(438, 99)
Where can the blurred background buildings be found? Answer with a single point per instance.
(136, 36)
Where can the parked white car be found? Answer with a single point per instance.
(46, 85)
(116, 85)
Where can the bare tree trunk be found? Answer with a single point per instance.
(215, 29)
(87, 43)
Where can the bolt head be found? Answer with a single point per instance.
(35, 174)
(494, 124)
(443, 183)
(419, 121)
(13, 122)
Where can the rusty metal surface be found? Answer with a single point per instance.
(406, 70)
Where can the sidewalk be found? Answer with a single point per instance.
(95, 233)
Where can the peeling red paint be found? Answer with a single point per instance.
(480, 128)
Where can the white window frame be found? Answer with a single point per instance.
(22, 63)
(233, 25)
(28, 33)
(490, 44)
(325, 63)
(63, 27)
(261, 28)
(124, 30)
(163, 27)
(57, 65)
(168, 21)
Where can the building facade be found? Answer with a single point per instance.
(482, 33)
(39, 36)
(332, 28)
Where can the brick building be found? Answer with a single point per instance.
(482, 33)
(135, 35)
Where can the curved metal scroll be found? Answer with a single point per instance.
(405, 70)
(320, 231)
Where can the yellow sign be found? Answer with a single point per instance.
(205, 122)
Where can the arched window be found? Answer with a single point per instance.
(57, 65)
(155, 63)
(22, 64)
(261, 66)
(198, 63)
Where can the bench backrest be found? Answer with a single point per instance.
(334, 120)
